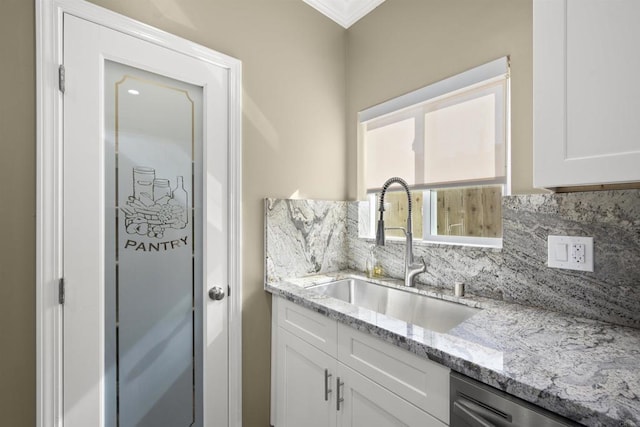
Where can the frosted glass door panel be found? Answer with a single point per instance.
(153, 270)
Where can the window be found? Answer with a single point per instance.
(450, 142)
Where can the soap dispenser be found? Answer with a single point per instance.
(373, 268)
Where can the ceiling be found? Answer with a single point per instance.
(344, 12)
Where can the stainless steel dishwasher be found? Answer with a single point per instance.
(474, 404)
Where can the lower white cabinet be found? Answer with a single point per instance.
(367, 404)
(304, 384)
(313, 387)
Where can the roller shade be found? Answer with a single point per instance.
(451, 133)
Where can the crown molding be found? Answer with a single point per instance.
(344, 12)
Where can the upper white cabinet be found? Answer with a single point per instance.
(586, 92)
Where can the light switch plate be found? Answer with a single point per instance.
(570, 252)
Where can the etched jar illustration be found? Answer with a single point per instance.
(143, 182)
(161, 189)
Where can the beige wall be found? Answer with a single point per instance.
(293, 142)
(407, 44)
(17, 213)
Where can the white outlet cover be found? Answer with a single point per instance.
(559, 246)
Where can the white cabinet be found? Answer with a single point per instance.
(304, 384)
(421, 382)
(586, 92)
(327, 374)
(368, 404)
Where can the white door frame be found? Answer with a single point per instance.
(49, 43)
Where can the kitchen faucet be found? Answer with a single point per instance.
(411, 268)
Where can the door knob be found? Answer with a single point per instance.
(216, 293)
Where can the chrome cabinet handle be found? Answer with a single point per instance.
(469, 416)
(327, 390)
(216, 293)
(339, 399)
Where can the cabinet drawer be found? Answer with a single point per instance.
(420, 381)
(314, 328)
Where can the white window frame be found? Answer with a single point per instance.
(497, 70)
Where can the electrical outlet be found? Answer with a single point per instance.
(570, 252)
(577, 253)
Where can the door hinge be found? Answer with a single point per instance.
(61, 78)
(61, 291)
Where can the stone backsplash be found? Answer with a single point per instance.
(308, 237)
(304, 237)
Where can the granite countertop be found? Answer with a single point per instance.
(585, 370)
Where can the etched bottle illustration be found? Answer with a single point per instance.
(181, 198)
(153, 207)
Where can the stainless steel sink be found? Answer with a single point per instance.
(429, 313)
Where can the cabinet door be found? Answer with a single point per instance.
(300, 384)
(586, 92)
(367, 404)
(415, 379)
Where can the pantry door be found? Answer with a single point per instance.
(145, 233)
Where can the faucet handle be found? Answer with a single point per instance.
(424, 264)
(419, 266)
